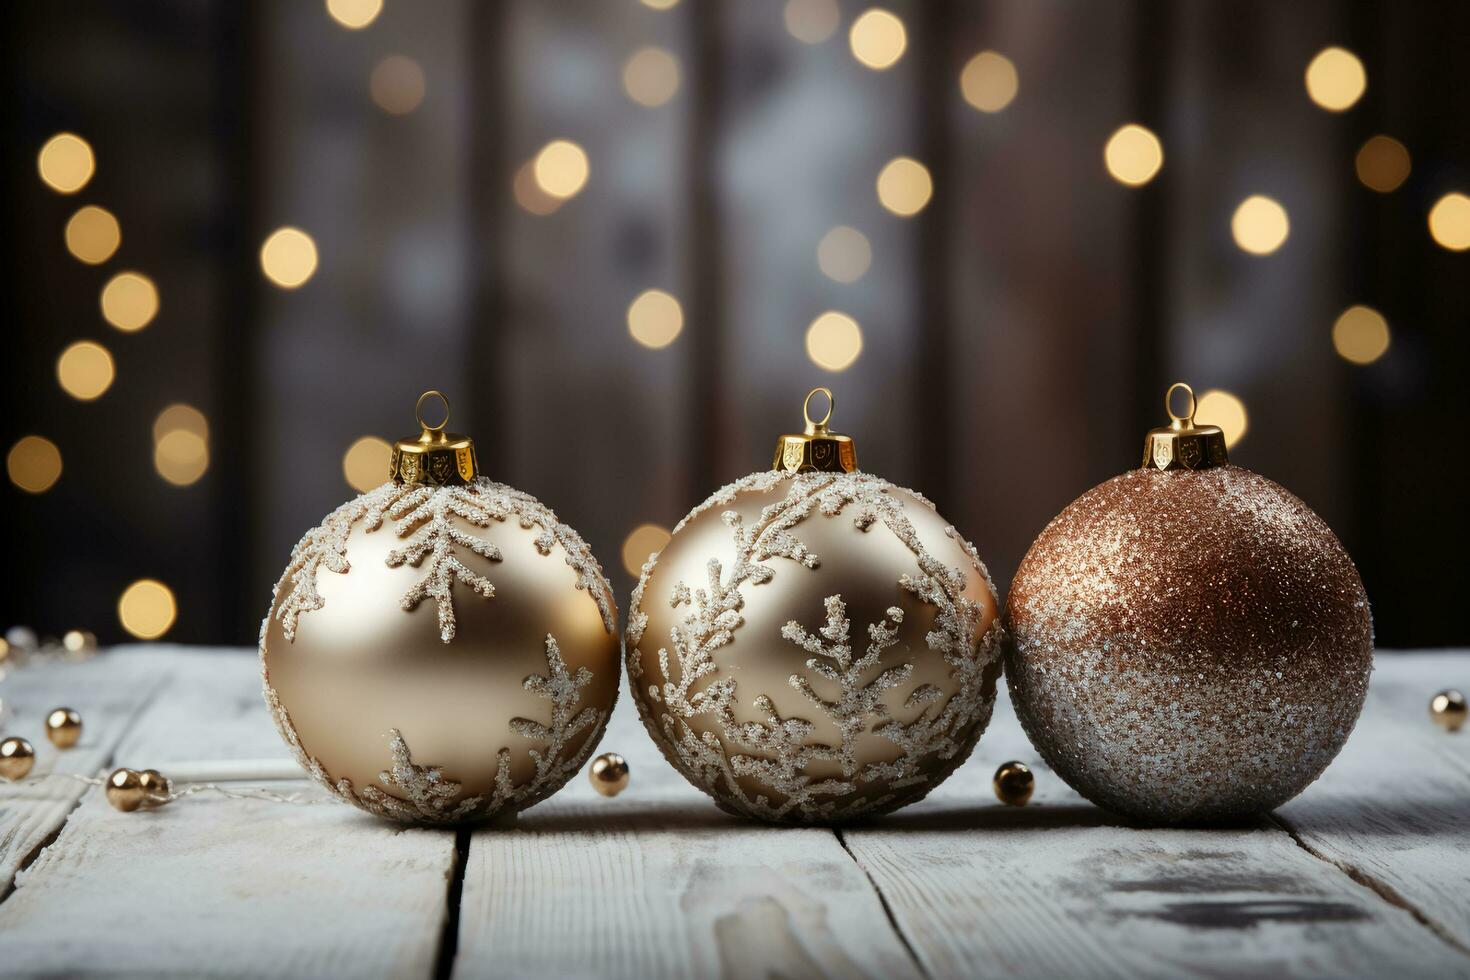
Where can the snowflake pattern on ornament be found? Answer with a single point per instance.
(777, 751)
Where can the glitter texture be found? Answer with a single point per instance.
(1188, 647)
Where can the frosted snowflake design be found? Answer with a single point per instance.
(776, 752)
(422, 794)
(425, 516)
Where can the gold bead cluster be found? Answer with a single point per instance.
(128, 789)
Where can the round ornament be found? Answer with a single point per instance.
(814, 644)
(442, 648)
(1188, 642)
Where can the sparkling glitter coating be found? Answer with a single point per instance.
(1188, 647)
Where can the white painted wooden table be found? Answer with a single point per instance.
(1366, 874)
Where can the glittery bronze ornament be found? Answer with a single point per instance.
(442, 648)
(63, 727)
(608, 774)
(1013, 783)
(16, 758)
(1447, 708)
(814, 644)
(1188, 642)
(125, 790)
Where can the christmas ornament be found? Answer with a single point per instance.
(1447, 709)
(16, 758)
(609, 774)
(441, 648)
(1188, 642)
(814, 644)
(1013, 783)
(125, 790)
(63, 727)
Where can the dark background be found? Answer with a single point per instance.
(1018, 333)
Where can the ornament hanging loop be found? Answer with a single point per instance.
(1183, 444)
(1185, 421)
(418, 410)
(818, 425)
(816, 447)
(435, 458)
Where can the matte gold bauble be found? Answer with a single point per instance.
(441, 648)
(16, 758)
(63, 727)
(814, 644)
(1188, 642)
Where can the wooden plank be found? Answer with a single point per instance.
(1060, 888)
(658, 882)
(225, 887)
(108, 692)
(1394, 809)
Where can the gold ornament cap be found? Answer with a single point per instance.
(816, 448)
(1182, 445)
(436, 458)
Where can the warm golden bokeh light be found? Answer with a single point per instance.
(1382, 164)
(1260, 225)
(834, 341)
(179, 416)
(844, 254)
(561, 169)
(1225, 410)
(85, 370)
(655, 319)
(659, 4)
(365, 464)
(528, 193)
(181, 457)
(397, 84)
(288, 257)
(34, 464)
(1336, 79)
(147, 609)
(904, 186)
(129, 301)
(989, 81)
(1360, 335)
(642, 541)
(651, 76)
(78, 640)
(354, 14)
(1449, 222)
(877, 38)
(1133, 155)
(66, 163)
(811, 21)
(93, 235)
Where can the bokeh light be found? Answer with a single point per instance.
(129, 301)
(288, 257)
(1382, 163)
(78, 640)
(1360, 335)
(1336, 79)
(528, 193)
(1260, 225)
(1225, 410)
(179, 416)
(904, 186)
(397, 84)
(989, 81)
(659, 4)
(811, 21)
(834, 341)
(181, 457)
(1449, 222)
(655, 318)
(365, 464)
(66, 163)
(844, 254)
(85, 370)
(93, 235)
(354, 14)
(34, 464)
(147, 609)
(877, 38)
(651, 76)
(561, 169)
(1133, 155)
(642, 541)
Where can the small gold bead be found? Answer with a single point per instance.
(1013, 783)
(155, 786)
(609, 774)
(1447, 708)
(63, 727)
(125, 790)
(16, 758)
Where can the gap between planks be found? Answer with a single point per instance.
(887, 908)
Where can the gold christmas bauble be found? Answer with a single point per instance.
(814, 644)
(63, 727)
(442, 648)
(1188, 642)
